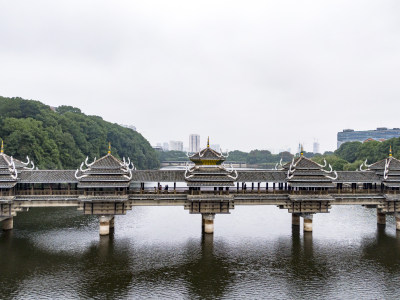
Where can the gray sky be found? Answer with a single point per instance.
(250, 74)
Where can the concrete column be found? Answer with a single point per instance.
(208, 223)
(307, 222)
(397, 217)
(105, 224)
(380, 218)
(295, 220)
(8, 224)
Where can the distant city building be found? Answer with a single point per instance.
(158, 148)
(128, 126)
(176, 146)
(194, 143)
(165, 146)
(316, 148)
(380, 134)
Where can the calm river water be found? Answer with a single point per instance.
(159, 252)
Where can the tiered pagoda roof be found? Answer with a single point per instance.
(106, 172)
(388, 170)
(9, 169)
(305, 173)
(208, 170)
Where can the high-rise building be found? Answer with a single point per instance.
(316, 148)
(194, 143)
(175, 145)
(380, 134)
(165, 147)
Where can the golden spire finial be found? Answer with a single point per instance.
(2, 147)
(208, 142)
(109, 148)
(302, 150)
(390, 150)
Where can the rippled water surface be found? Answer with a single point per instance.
(159, 252)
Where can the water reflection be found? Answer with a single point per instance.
(358, 259)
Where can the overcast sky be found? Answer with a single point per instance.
(250, 74)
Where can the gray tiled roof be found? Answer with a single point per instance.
(207, 154)
(261, 176)
(104, 172)
(357, 176)
(47, 176)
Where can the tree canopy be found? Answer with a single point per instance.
(63, 138)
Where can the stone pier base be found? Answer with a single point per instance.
(8, 224)
(307, 220)
(208, 223)
(295, 220)
(381, 218)
(105, 224)
(397, 217)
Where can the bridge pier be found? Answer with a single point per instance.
(397, 217)
(295, 220)
(8, 224)
(105, 224)
(307, 222)
(380, 218)
(208, 223)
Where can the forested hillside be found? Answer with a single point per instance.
(351, 155)
(63, 139)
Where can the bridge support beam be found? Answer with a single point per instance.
(208, 223)
(295, 220)
(8, 224)
(380, 218)
(105, 224)
(307, 222)
(397, 217)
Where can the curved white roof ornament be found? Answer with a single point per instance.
(280, 162)
(89, 164)
(33, 165)
(187, 169)
(14, 173)
(15, 176)
(386, 172)
(289, 175)
(130, 175)
(79, 177)
(333, 178)
(123, 164)
(290, 168)
(365, 164)
(325, 163)
(227, 154)
(11, 165)
(330, 171)
(27, 161)
(236, 175)
(200, 154)
(81, 168)
(276, 166)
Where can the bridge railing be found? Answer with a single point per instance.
(211, 191)
(48, 192)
